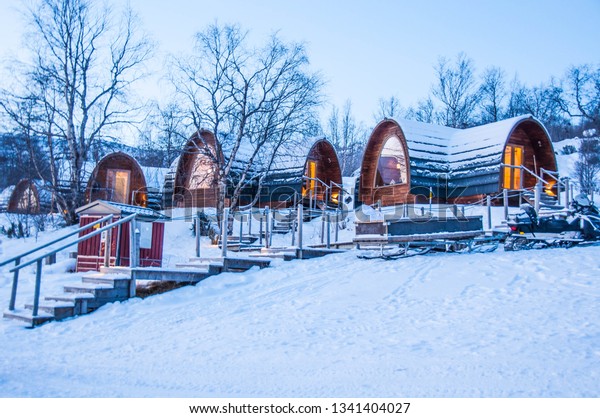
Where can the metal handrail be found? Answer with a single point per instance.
(522, 167)
(38, 261)
(77, 231)
(77, 241)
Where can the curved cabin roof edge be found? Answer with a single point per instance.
(29, 197)
(117, 177)
(453, 162)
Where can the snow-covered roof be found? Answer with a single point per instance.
(105, 207)
(436, 150)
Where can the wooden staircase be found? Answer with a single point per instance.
(95, 290)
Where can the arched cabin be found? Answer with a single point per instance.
(29, 197)
(118, 178)
(406, 161)
(195, 175)
(309, 171)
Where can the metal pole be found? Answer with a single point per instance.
(13, 293)
(38, 282)
(300, 225)
(267, 224)
(118, 249)
(322, 227)
(250, 222)
(505, 200)
(197, 229)
(489, 210)
(107, 247)
(260, 230)
(430, 199)
(538, 195)
(337, 223)
(241, 227)
(328, 231)
(133, 250)
(224, 232)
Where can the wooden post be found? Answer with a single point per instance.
(267, 224)
(505, 200)
(538, 196)
(300, 225)
(13, 292)
(489, 210)
(224, 232)
(197, 229)
(38, 282)
(567, 197)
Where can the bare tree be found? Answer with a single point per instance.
(587, 166)
(84, 59)
(583, 93)
(424, 111)
(163, 135)
(256, 101)
(457, 91)
(347, 137)
(389, 108)
(492, 94)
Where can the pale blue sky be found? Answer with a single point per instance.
(372, 49)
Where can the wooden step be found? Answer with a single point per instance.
(26, 316)
(59, 310)
(103, 293)
(80, 300)
(188, 275)
(114, 280)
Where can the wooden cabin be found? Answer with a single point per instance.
(29, 197)
(150, 223)
(304, 169)
(407, 161)
(309, 172)
(194, 179)
(117, 178)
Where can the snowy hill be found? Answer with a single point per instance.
(501, 324)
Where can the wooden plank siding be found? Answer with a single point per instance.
(90, 253)
(98, 187)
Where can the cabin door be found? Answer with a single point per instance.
(311, 173)
(118, 184)
(513, 176)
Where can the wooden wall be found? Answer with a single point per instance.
(535, 142)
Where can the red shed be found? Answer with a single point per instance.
(90, 253)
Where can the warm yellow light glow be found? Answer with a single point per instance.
(548, 188)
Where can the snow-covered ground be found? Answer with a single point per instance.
(500, 324)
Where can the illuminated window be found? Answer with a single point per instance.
(391, 166)
(512, 176)
(118, 184)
